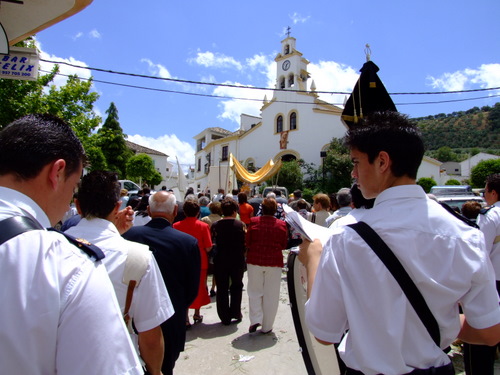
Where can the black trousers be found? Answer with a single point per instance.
(229, 282)
(443, 370)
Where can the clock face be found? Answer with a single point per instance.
(286, 65)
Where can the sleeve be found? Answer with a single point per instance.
(192, 274)
(326, 317)
(206, 237)
(488, 227)
(151, 303)
(90, 316)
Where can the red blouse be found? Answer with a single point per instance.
(266, 238)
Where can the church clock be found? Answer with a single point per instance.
(286, 65)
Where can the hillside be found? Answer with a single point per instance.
(476, 127)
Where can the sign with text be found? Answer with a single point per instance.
(20, 63)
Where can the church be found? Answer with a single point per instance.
(294, 124)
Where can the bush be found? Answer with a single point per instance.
(482, 170)
(426, 183)
(452, 182)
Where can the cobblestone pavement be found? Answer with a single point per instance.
(215, 349)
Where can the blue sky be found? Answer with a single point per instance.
(419, 46)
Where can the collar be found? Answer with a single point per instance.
(101, 224)
(159, 223)
(398, 192)
(14, 203)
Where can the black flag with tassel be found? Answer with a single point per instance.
(369, 95)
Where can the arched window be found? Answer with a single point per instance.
(287, 49)
(290, 80)
(293, 121)
(282, 83)
(279, 124)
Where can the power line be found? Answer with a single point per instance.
(253, 99)
(254, 87)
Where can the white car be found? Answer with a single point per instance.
(458, 200)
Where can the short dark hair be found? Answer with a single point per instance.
(301, 204)
(229, 206)
(242, 198)
(191, 208)
(98, 194)
(33, 141)
(215, 208)
(358, 200)
(493, 183)
(393, 133)
(470, 209)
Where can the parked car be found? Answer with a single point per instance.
(459, 200)
(284, 191)
(131, 186)
(452, 190)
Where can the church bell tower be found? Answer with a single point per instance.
(291, 66)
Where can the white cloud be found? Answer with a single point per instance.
(157, 69)
(170, 145)
(95, 34)
(215, 60)
(78, 35)
(64, 70)
(487, 75)
(333, 76)
(298, 18)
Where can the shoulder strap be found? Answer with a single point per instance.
(15, 225)
(91, 250)
(459, 216)
(405, 282)
(136, 265)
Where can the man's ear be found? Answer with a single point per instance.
(176, 209)
(57, 173)
(384, 161)
(78, 208)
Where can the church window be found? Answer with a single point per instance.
(282, 83)
(293, 121)
(290, 80)
(279, 124)
(287, 49)
(225, 153)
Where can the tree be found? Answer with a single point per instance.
(290, 175)
(482, 170)
(141, 168)
(426, 183)
(337, 167)
(111, 139)
(445, 154)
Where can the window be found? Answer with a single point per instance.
(287, 49)
(279, 124)
(225, 153)
(282, 83)
(293, 121)
(199, 165)
(290, 80)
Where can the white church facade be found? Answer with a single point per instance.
(294, 124)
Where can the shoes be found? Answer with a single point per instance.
(197, 318)
(266, 332)
(188, 325)
(213, 293)
(253, 327)
(238, 319)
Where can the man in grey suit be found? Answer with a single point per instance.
(178, 258)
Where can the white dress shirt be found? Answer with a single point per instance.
(58, 309)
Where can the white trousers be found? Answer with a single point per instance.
(263, 294)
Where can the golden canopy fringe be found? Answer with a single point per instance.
(263, 174)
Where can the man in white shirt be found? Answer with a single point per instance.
(352, 290)
(480, 359)
(59, 312)
(98, 201)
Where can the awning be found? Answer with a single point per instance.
(263, 174)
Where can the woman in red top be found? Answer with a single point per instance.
(246, 210)
(266, 238)
(201, 231)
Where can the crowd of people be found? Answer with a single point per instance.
(112, 293)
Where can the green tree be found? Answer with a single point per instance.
(111, 140)
(290, 175)
(426, 183)
(453, 182)
(141, 168)
(494, 117)
(482, 170)
(337, 167)
(445, 154)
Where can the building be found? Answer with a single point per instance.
(294, 124)
(160, 160)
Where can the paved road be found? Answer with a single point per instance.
(215, 349)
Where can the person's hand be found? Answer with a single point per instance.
(124, 219)
(309, 251)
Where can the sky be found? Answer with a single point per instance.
(420, 46)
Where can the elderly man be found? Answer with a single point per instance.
(142, 296)
(178, 257)
(59, 309)
(352, 289)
